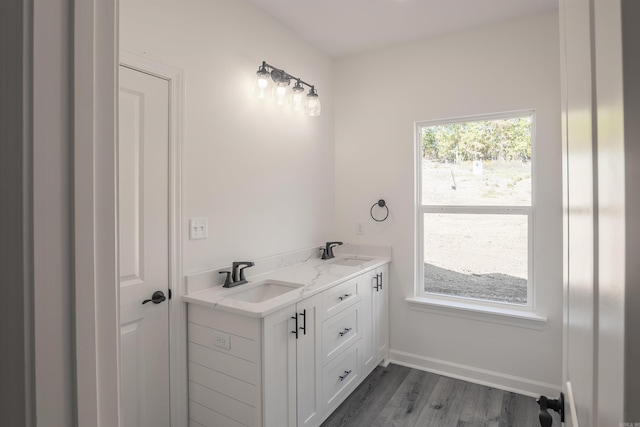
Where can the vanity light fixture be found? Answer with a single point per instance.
(297, 97)
(262, 88)
(274, 82)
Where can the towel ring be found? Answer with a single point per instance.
(382, 204)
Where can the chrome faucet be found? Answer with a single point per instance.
(236, 277)
(328, 250)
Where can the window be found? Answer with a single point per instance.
(475, 209)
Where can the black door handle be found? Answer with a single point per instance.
(156, 298)
(545, 404)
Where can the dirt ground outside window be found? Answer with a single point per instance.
(470, 255)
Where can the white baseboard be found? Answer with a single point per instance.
(472, 374)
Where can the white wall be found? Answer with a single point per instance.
(263, 176)
(379, 96)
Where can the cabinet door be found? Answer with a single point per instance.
(369, 349)
(308, 350)
(381, 314)
(279, 367)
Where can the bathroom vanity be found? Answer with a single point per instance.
(287, 348)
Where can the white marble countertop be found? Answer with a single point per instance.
(312, 276)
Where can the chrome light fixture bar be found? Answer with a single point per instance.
(274, 82)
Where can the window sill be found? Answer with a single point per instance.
(503, 316)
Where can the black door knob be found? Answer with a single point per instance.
(546, 420)
(156, 298)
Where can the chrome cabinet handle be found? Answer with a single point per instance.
(343, 297)
(344, 332)
(346, 374)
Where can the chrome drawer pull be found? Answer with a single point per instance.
(343, 297)
(343, 333)
(346, 374)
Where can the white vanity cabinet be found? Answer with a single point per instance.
(369, 352)
(292, 367)
(380, 305)
(375, 310)
(341, 343)
(249, 371)
(225, 369)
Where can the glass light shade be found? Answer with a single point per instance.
(262, 86)
(280, 92)
(312, 104)
(297, 98)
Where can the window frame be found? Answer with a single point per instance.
(421, 210)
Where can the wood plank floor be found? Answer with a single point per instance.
(397, 396)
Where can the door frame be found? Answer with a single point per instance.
(601, 94)
(94, 44)
(95, 60)
(177, 309)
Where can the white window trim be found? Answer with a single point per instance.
(483, 311)
(498, 312)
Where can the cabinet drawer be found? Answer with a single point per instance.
(340, 376)
(340, 296)
(340, 331)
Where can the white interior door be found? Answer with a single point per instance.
(580, 274)
(143, 207)
(594, 162)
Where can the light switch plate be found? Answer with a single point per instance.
(198, 228)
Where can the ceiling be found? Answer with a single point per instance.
(346, 27)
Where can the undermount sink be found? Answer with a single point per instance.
(350, 261)
(262, 291)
